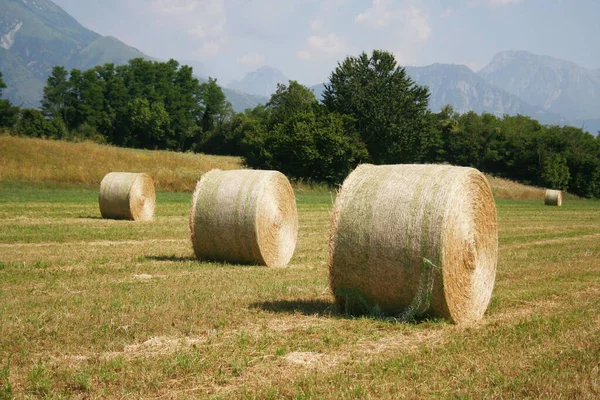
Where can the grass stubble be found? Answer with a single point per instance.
(94, 308)
(99, 308)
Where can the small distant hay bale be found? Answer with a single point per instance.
(553, 198)
(413, 241)
(126, 195)
(244, 216)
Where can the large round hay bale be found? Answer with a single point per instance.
(414, 240)
(126, 195)
(553, 198)
(244, 216)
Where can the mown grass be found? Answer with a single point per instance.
(98, 308)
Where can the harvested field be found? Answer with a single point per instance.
(95, 308)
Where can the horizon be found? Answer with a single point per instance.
(305, 39)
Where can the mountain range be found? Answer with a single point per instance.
(36, 35)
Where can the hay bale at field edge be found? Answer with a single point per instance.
(245, 216)
(127, 195)
(414, 240)
(553, 198)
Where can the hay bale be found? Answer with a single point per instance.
(553, 198)
(126, 195)
(414, 240)
(244, 216)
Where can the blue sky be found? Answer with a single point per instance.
(306, 38)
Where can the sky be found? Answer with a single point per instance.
(305, 39)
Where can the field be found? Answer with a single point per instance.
(98, 308)
(94, 308)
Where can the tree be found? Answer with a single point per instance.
(556, 172)
(216, 106)
(55, 102)
(390, 110)
(149, 124)
(2, 84)
(298, 137)
(8, 113)
(33, 123)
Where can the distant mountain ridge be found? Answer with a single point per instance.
(558, 86)
(262, 82)
(465, 91)
(36, 35)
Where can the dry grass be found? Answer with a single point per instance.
(41, 160)
(94, 308)
(510, 190)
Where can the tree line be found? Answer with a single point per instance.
(371, 111)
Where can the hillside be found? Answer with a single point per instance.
(558, 86)
(262, 82)
(52, 161)
(37, 35)
(465, 91)
(40, 160)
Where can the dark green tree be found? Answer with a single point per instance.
(216, 107)
(34, 123)
(55, 102)
(300, 138)
(9, 114)
(390, 110)
(556, 174)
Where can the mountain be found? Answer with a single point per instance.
(318, 90)
(465, 91)
(241, 101)
(558, 86)
(36, 35)
(462, 88)
(262, 82)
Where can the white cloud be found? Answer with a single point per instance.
(317, 24)
(201, 19)
(504, 2)
(209, 49)
(448, 12)
(330, 5)
(326, 46)
(383, 14)
(398, 26)
(251, 59)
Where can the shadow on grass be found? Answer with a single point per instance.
(305, 307)
(90, 217)
(168, 258)
(324, 308)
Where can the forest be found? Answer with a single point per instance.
(371, 112)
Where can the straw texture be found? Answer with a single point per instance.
(126, 195)
(414, 240)
(244, 216)
(553, 198)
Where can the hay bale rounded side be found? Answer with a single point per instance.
(126, 195)
(553, 198)
(244, 216)
(414, 240)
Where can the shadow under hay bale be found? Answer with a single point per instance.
(302, 306)
(126, 195)
(553, 198)
(413, 241)
(244, 216)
